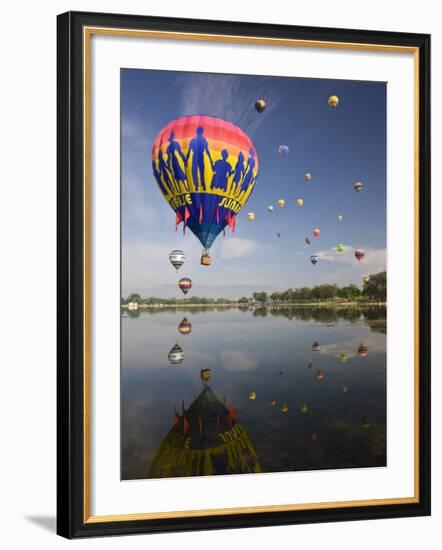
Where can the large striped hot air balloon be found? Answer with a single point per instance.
(176, 258)
(206, 169)
(185, 284)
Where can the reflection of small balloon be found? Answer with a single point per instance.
(283, 150)
(185, 327)
(303, 408)
(270, 208)
(365, 423)
(251, 216)
(343, 357)
(362, 350)
(273, 402)
(358, 186)
(333, 101)
(260, 105)
(316, 346)
(252, 395)
(344, 388)
(316, 232)
(176, 355)
(310, 366)
(307, 176)
(319, 375)
(281, 202)
(284, 407)
(312, 436)
(299, 202)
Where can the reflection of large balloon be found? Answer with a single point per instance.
(314, 259)
(319, 375)
(284, 408)
(176, 258)
(359, 254)
(362, 350)
(283, 150)
(316, 232)
(358, 186)
(333, 101)
(185, 326)
(281, 202)
(316, 346)
(176, 355)
(206, 168)
(252, 395)
(260, 105)
(185, 284)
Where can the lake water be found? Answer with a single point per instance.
(334, 398)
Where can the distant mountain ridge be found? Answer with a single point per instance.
(204, 291)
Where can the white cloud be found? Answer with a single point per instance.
(236, 248)
(237, 360)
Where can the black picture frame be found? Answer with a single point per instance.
(71, 520)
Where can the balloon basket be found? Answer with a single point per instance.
(206, 259)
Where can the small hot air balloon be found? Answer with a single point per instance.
(307, 240)
(278, 235)
(340, 247)
(281, 202)
(310, 366)
(185, 327)
(344, 388)
(273, 402)
(314, 259)
(283, 150)
(260, 105)
(365, 423)
(362, 350)
(252, 395)
(333, 101)
(251, 216)
(319, 375)
(340, 217)
(176, 355)
(366, 279)
(316, 346)
(316, 232)
(358, 186)
(270, 208)
(299, 202)
(205, 375)
(284, 407)
(359, 254)
(303, 408)
(312, 436)
(185, 284)
(343, 357)
(176, 258)
(307, 176)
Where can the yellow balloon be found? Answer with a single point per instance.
(333, 101)
(284, 407)
(300, 202)
(252, 395)
(281, 202)
(303, 408)
(251, 216)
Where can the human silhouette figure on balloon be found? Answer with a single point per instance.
(198, 146)
(162, 175)
(174, 152)
(239, 170)
(222, 170)
(248, 177)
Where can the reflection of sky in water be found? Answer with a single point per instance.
(269, 355)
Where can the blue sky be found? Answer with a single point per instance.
(339, 147)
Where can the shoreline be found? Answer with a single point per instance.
(263, 306)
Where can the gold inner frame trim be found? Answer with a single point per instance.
(87, 34)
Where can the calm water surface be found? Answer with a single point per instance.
(337, 420)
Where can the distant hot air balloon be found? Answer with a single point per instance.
(307, 240)
(299, 202)
(314, 259)
(307, 176)
(340, 247)
(270, 208)
(365, 423)
(316, 232)
(319, 375)
(278, 234)
(176, 258)
(176, 355)
(312, 436)
(283, 150)
(340, 217)
(185, 327)
(359, 254)
(281, 202)
(366, 279)
(273, 402)
(344, 388)
(252, 395)
(260, 105)
(303, 408)
(316, 346)
(362, 350)
(185, 284)
(284, 407)
(310, 366)
(251, 216)
(333, 101)
(206, 169)
(358, 186)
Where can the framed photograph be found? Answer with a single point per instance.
(243, 274)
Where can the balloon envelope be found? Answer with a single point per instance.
(340, 218)
(185, 327)
(260, 105)
(300, 202)
(358, 186)
(206, 169)
(281, 202)
(307, 240)
(176, 355)
(340, 247)
(359, 254)
(316, 232)
(185, 284)
(307, 176)
(251, 216)
(283, 150)
(176, 258)
(270, 208)
(333, 101)
(314, 259)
